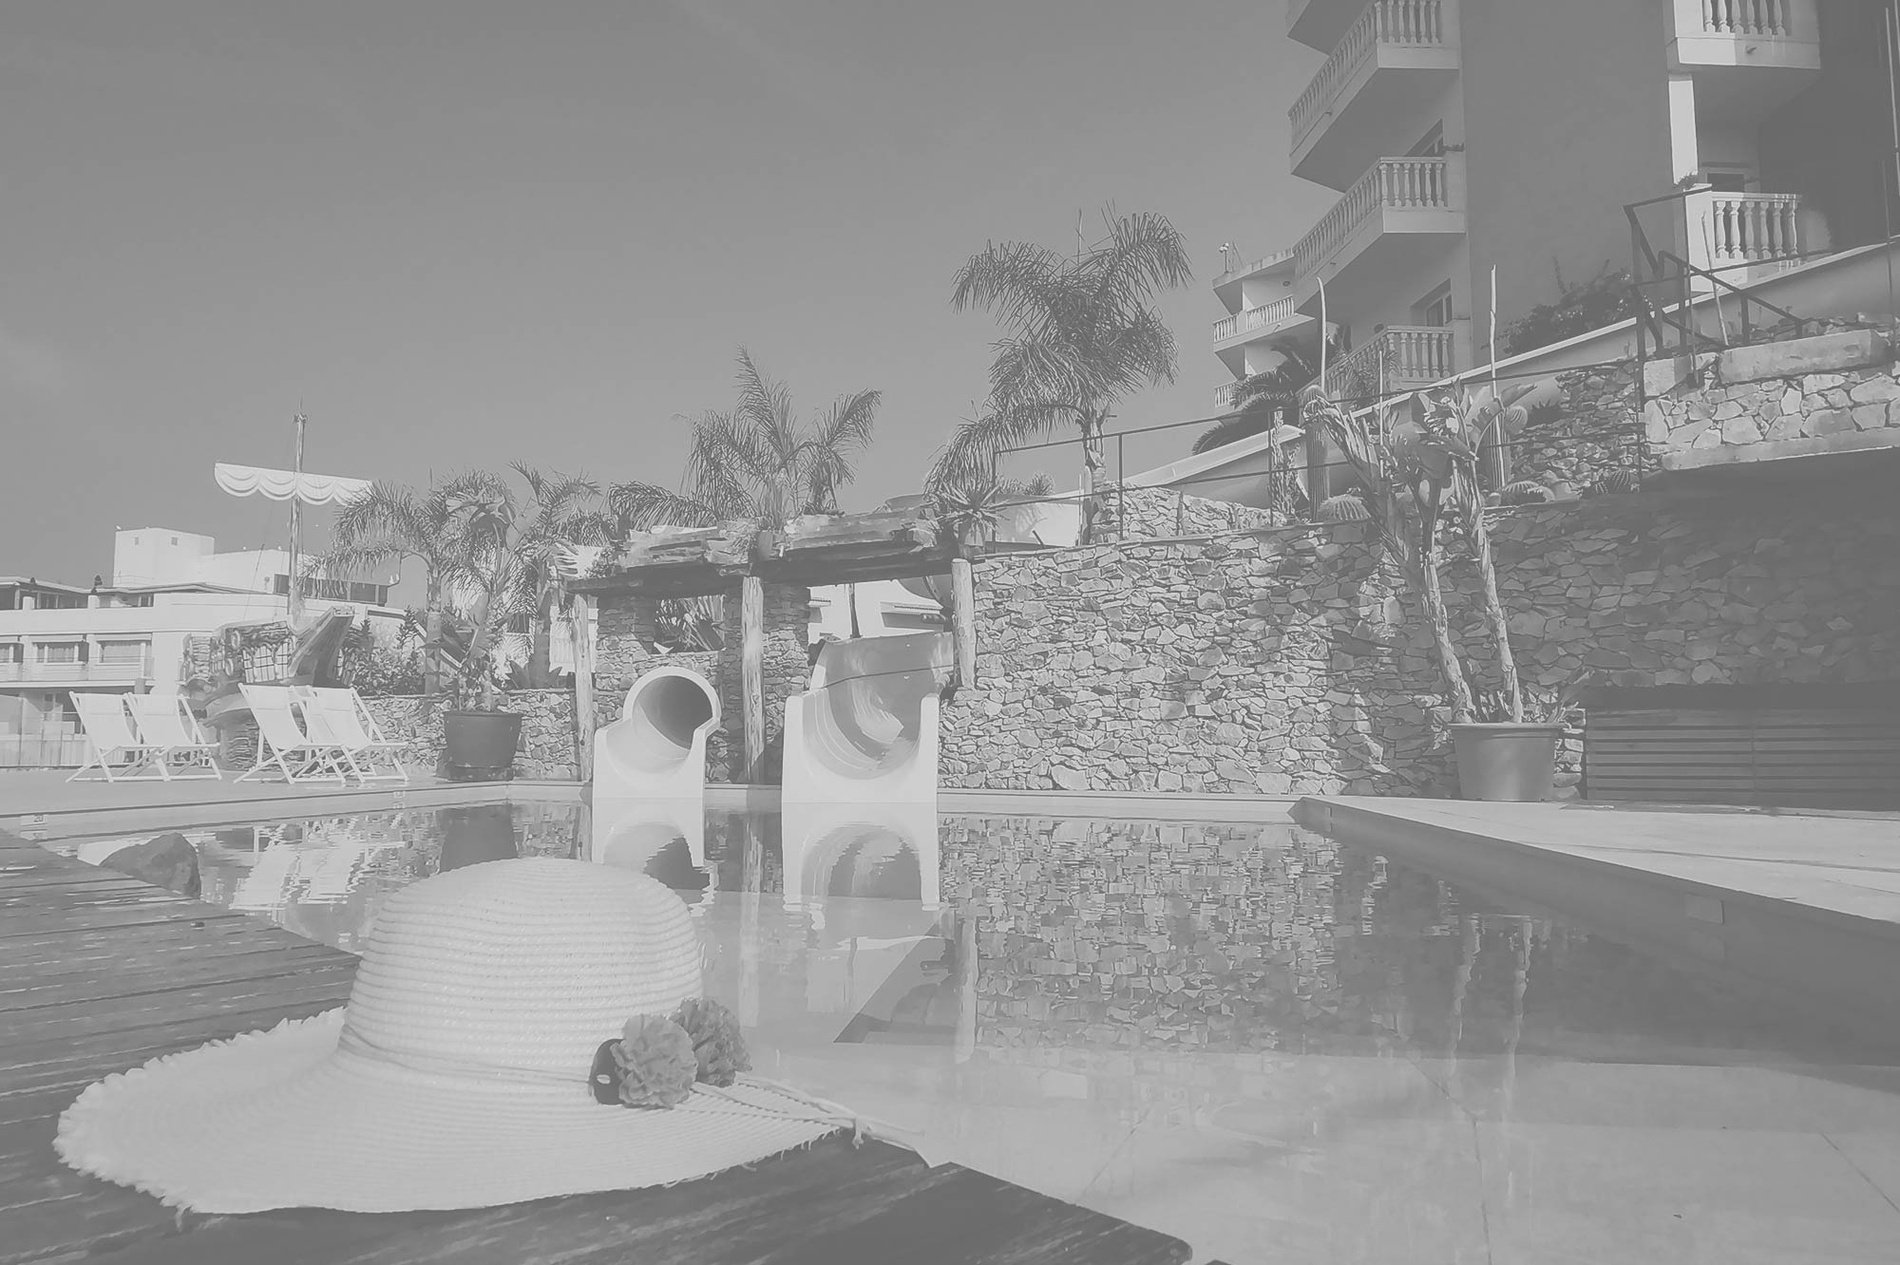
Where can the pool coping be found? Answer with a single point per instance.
(272, 800)
(1407, 825)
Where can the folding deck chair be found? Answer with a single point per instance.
(117, 750)
(340, 716)
(282, 744)
(165, 720)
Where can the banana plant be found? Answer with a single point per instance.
(1450, 436)
(1403, 476)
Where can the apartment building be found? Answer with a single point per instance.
(1468, 135)
(129, 633)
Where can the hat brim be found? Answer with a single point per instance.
(284, 1119)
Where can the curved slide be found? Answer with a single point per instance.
(650, 776)
(657, 749)
(866, 730)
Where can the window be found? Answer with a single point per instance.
(1726, 179)
(123, 651)
(59, 652)
(9, 653)
(1435, 308)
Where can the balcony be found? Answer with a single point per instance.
(33, 673)
(1400, 206)
(1400, 358)
(1320, 23)
(1743, 237)
(1747, 57)
(1377, 91)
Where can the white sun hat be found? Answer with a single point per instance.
(458, 1075)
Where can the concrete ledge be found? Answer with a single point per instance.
(1781, 449)
(1806, 909)
(1823, 353)
(1128, 805)
(177, 805)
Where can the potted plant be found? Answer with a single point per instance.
(494, 558)
(1508, 754)
(1504, 752)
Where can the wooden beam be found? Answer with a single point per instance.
(963, 610)
(752, 674)
(580, 614)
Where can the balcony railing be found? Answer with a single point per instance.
(1735, 229)
(1772, 18)
(1253, 318)
(1394, 183)
(1400, 358)
(1405, 23)
(77, 673)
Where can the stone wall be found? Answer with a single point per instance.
(1291, 662)
(1812, 389)
(624, 650)
(547, 731)
(1597, 429)
(1164, 513)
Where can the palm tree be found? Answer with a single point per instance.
(758, 463)
(491, 556)
(1080, 335)
(1264, 400)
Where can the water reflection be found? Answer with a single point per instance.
(1021, 934)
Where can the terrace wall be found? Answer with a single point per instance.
(1291, 661)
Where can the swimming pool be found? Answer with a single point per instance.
(1271, 1043)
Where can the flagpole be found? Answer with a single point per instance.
(294, 604)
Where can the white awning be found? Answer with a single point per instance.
(284, 485)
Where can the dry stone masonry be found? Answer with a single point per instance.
(1806, 395)
(1291, 662)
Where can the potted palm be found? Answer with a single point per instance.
(493, 558)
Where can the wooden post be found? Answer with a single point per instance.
(963, 604)
(580, 615)
(752, 674)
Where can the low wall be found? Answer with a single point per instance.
(1815, 389)
(547, 731)
(1292, 662)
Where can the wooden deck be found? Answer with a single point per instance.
(100, 972)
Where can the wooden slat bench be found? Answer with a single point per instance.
(1798, 747)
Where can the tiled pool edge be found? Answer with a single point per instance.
(49, 821)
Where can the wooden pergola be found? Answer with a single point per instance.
(811, 552)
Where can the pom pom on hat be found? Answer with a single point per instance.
(656, 1063)
(718, 1044)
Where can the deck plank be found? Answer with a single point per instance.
(99, 973)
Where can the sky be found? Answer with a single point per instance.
(457, 233)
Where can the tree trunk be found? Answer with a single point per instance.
(752, 676)
(1448, 663)
(1091, 478)
(541, 642)
(580, 609)
(1494, 606)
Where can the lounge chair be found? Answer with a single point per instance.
(117, 750)
(340, 716)
(283, 746)
(164, 720)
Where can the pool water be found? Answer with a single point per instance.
(1271, 1043)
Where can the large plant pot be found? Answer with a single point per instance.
(1506, 762)
(480, 745)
